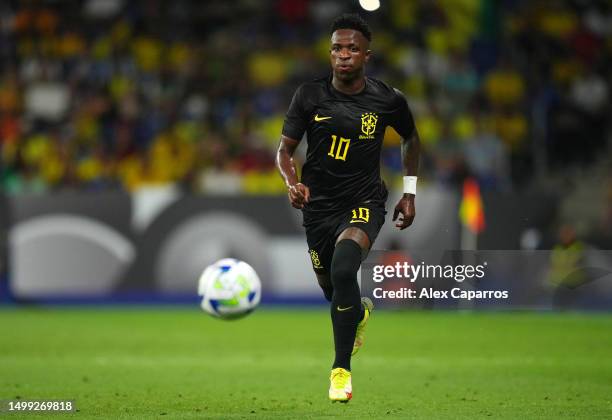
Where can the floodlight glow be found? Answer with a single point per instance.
(369, 5)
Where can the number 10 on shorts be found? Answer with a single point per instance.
(361, 215)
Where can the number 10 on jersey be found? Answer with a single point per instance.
(339, 151)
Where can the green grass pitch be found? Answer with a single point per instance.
(173, 362)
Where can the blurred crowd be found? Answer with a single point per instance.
(99, 94)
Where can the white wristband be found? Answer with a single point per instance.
(410, 185)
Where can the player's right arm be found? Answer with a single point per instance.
(294, 127)
(298, 193)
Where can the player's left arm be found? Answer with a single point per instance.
(410, 150)
(403, 122)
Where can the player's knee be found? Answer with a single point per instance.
(357, 235)
(345, 263)
(343, 274)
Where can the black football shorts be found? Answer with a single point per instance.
(323, 231)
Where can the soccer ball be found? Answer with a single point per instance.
(230, 289)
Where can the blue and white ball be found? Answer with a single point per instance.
(230, 289)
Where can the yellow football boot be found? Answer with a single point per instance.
(340, 388)
(368, 307)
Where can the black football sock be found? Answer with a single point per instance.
(346, 310)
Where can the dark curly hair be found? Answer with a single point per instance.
(352, 21)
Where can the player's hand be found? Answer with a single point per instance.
(406, 207)
(299, 195)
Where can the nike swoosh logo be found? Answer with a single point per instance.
(343, 309)
(317, 118)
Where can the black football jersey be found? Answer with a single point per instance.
(345, 134)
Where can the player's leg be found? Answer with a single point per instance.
(349, 312)
(366, 305)
(346, 308)
(320, 250)
(321, 258)
(325, 283)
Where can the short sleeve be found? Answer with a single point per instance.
(401, 118)
(296, 119)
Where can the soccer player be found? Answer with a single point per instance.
(341, 194)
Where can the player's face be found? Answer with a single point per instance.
(348, 54)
